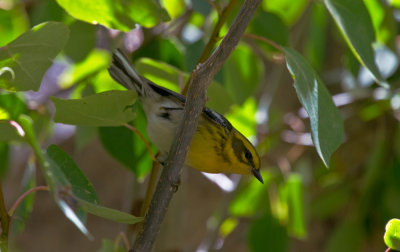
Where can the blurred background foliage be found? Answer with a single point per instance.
(302, 205)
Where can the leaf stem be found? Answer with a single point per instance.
(213, 38)
(24, 195)
(261, 38)
(147, 144)
(5, 222)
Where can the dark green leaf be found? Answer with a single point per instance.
(46, 10)
(81, 186)
(9, 131)
(355, 23)
(392, 234)
(348, 236)
(30, 55)
(121, 15)
(109, 108)
(270, 26)
(82, 40)
(26, 206)
(126, 146)
(109, 213)
(267, 234)
(326, 123)
(4, 150)
(242, 72)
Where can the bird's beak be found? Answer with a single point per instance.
(257, 174)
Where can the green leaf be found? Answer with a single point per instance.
(354, 21)
(59, 185)
(271, 26)
(267, 234)
(126, 146)
(347, 236)
(30, 55)
(326, 122)
(25, 208)
(96, 61)
(109, 246)
(392, 234)
(243, 118)
(288, 10)
(296, 225)
(251, 198)
(13, 23)
(9, 131)
(82, 40)
(110, 108)
(242, 72)
(4, 158)
(12, 106)
(121, 15)
(109, 213)
(81, 187)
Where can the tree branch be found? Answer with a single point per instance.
(201, 78)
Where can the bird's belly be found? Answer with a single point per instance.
(161, 132)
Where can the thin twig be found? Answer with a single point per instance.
(150, 188)
(261, 38)
(201, 78)
(148, 147)
(125, 242)
(213, 38)
(215, 6)
(5, 222)
(24, 195)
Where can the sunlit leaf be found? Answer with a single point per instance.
(288, 10)
(392, 234)
(110, 108)
(251, 198)
(30, 55)
(93, 63)
(326, 123)
(296, 225)
(243, 118)
(121, 15)
(13, 23)
(355, 23)
(174, 7)
(13, 105)
(109, 213)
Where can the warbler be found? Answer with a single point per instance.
(216, 146)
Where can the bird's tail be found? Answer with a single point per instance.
(124, 73)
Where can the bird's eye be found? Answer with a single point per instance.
(247, 155)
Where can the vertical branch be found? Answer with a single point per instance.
(5, 222)
(201, 78)
(213, 38)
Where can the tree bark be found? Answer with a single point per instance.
(196, 99)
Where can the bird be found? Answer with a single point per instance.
(216, 147)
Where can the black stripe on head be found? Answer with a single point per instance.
(241, 152)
